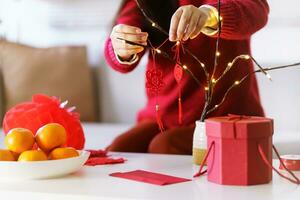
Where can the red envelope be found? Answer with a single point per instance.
(103, 161)
(97, 153)
(150, 177)
(100, 157)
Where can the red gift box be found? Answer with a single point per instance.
(235, 143)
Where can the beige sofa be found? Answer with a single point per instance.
(57, 71)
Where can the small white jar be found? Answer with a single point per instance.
(199, 143)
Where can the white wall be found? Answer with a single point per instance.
(55, 22)
(276, 44)
(44, 23)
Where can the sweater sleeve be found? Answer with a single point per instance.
(129, 15)
(241, 18)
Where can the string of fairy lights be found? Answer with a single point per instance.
(211, 80)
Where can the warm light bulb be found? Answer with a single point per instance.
(269, 76)
(213, 80)
(202, 65)
(218, 53)
(184, 67)
(247, 57)
(158, 51)
(157, 107)
(206, 88)
(237, 82)
(229, 64)
(153, 24)
(216, 106)
(177, 43)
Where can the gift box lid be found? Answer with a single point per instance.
(235, 126)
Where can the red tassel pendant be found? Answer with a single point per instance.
(154, 84)
(178, 74)
(179, 111)
(158, 118)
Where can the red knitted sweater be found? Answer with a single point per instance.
(241, 18)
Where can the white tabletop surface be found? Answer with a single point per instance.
(94, 182)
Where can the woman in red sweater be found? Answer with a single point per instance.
(188, 21)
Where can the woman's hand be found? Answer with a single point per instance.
(187, 22)
(122, 49)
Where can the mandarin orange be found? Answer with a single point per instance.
(6, 155)
(19, 139)
(32, 155)
(62, 153)
(51, 136)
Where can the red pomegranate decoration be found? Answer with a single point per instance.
(43, 110)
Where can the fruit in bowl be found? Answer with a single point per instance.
(51, 136)
(32, 155)
(39, 135)
(49, 143)
(19, 140)
(6, 155)
(62, 153)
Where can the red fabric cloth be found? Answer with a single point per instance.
(241, 18)
(43, 110)
(100, 157)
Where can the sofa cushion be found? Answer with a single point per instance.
(56, 71)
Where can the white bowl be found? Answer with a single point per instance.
(10, 170)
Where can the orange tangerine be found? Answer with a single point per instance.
(51, 136)
(19, 140)
(62, 153)
(16, 155)
(6, 155)
(32, 155)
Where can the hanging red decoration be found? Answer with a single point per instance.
(154, 81)
(43, 110)
(178, 74)
(154, 84)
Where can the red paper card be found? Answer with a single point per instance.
(149, 177)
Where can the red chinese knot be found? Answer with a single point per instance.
(154, 81)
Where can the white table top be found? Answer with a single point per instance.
(94, 183)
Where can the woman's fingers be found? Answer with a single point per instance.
(123, 32)
(129, 33)
(122, 28)
(192, 26)
(140, 38)
(121, 44)
(187, 22)
(200, 24)
(122, 48)
(183, 23)
(125, 53)
(174, 24)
